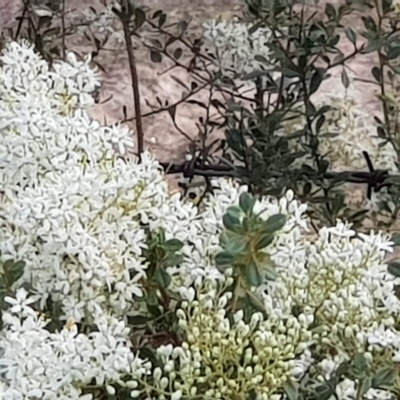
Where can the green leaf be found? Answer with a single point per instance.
(373, 45)
(172, 245)
(178, 53)
(172, 112)
(247, 202)
(291, 389)
(370, 24)
(307, 188)
(345, 79)
(316, 80)
(264, 241)
(224, 258)
(172, 260)
(364, 386)
(255, 301)
(13, 271)
(2, 284)
(162, 277)
(156, 14)
(330, 11)
(231, 222)
(360, 362)
(224, 238)
(162, 19)
(7, 265)
(343, 369)
(393, 53)
(182, 26)
(383, 377)
(387, 6)
(358, 214)
(236, 245)
(148, 353)
(155, 56)
(234, 211)
(139, 320)
(252, 275)
(270, 273)
(351, 35)
(394, 268)
(323, 391)
(152, 299)
(140, 17)
(376, 73)
(274, 223)
(320, 122)
(395, 239)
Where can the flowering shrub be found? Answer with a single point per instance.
(244, 48)
(125, 291)
(284, 129)
(240, 48)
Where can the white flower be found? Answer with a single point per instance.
(239, 49)
(20, 303)
(38, 363)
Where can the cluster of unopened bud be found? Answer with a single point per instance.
(264, 350)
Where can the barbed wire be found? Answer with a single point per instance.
(375, 179)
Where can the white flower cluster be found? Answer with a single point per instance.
(231, 356)
(340, 279)
(79, 214)
(239, 48)
(36, 363)
(346, 133)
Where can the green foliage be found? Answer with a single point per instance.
(244, 242)
(10, 273)
(161, 254)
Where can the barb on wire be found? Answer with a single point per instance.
(375, 179)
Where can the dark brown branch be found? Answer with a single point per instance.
(125, 18)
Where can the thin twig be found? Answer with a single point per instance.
(63, 28)
(21, 21)
(166, 108)
(125, 17)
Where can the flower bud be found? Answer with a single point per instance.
(157, 373)
(176, 395)
(110, 390)
(164, 382)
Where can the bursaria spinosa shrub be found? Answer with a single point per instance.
(112, 288)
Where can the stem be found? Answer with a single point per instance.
(63, 28)
(381, 67)
(135, 81)
(260, 97)
(21, 21)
